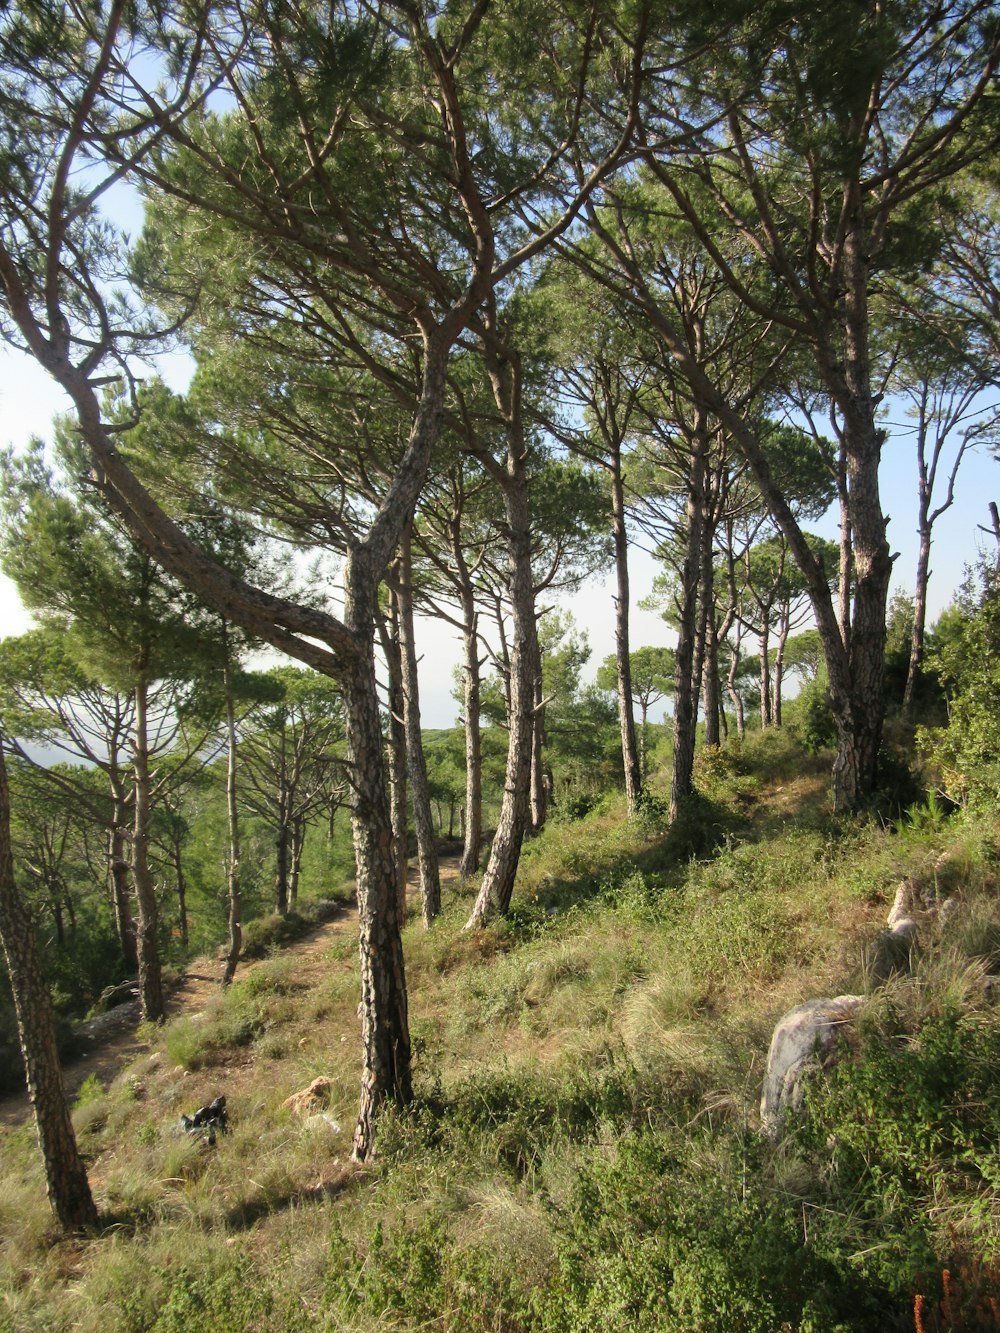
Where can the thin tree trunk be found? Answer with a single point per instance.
(778, 675)
(764, 640)
(634, 767)
(919, 610)
(685, 715)
(498, 881)
(118, 869)
(232, 807)
(295, 869)
(539, 796)
(65, 1175)
(427, 858)
(282, 847)
(473, 820)
(388, 629)
(150, 982)
(710, 650)
(182, 912)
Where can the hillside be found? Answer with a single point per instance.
(585, 1149)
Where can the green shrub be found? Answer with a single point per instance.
(815, 726)
(905, 1133)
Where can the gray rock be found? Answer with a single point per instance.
(804, 1041)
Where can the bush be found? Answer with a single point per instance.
(816, 727)
(905, 1133)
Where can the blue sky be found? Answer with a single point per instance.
(29, 399)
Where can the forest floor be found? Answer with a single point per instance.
(110, 1040)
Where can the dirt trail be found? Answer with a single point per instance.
(109, 1040)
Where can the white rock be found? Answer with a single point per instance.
(803, 1041)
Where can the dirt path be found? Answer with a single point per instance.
(109, 1040)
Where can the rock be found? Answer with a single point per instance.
(310, 1099)
(804, 1041)
(321, 1121)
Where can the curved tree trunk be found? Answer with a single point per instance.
(65, 1175)
(147, 925)
(423, 820)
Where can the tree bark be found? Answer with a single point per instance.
(383, 1009)
(147, 925)
(232, 807)
(685, 713)
(398, 804)
(118, 869)
(539, 795)
(427, 858)
(498, 881)
(473, 832)
(65, 1175)
(281, 847)
(634, 767)
(295, 867)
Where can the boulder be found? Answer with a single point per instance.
(311, 1099)
(804, 1041)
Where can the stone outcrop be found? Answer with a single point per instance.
(804, 1041)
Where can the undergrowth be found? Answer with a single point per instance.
(583, 1151)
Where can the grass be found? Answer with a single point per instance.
(583, 1150)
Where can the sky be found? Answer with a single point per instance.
(29, 399)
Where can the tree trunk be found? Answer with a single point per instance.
(118, 869)
(281, 847)
(150, 982)
(778, 675)
(710, 650)
(498, 881)
(295, 869)
(859, 701)
(539, 796)
(383, 1009)
(685, 714)
(919, 608)
(473, 832)
(181, 880)
(232, 807)
(427, 858)
(764, 642)
(398, 805)
(65, 1175)
(634, 767)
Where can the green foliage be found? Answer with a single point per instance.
(904, 1129)
(815, 724)
(651, 1240)
(966, 654)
